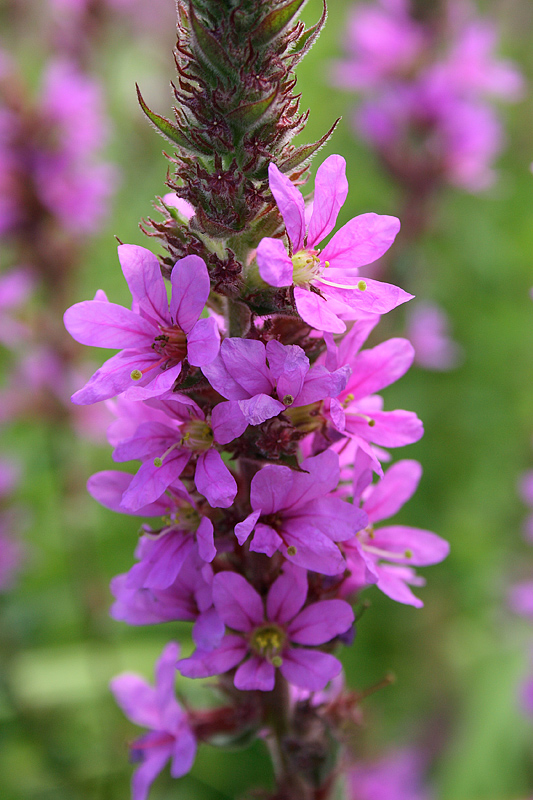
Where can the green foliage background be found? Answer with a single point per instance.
(459, 660)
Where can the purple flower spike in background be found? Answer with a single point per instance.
(397, 776)
(156, 339)
(327, 283)
(170, 737)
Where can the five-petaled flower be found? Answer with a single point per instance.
(267, 632)
(156, 338)
(327, 284)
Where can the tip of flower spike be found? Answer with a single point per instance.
(136, 375)
(158, 461)
(276, 661)
(288, 400)
(361, 286)
(292, 550)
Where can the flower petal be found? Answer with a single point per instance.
(421, 547)
(260, 408)
(379, 366)
(361, 241)
(107, 488)
(243, 529)
(205, 539)
(190, 290)
(331, 190)
(270, 487)
(321, 622)
(146, 284)
(227, 421)
(265, 540)
(214, 480)
(314, 310)
(255, 674)
(203, 342)
(150, 481)
(309, 669)
(137, 699)
(144, 776)
(206, 663)
(395, 488)
(287, 595)
(291, 205)
(275, 266)
(100, 324)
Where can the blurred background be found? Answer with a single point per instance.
(460, 661)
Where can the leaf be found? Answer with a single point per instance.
(250, 113)
(307, 39)
(210, 47)
(306, 151)
(276, 21)
(163, 125)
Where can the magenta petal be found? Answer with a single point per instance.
(149, 439)
(331, 190)
(260, 408)
(222, 380)
(245, 360)
(255, 674)
(237, 602)
(379, 366)
(275, 266)
(361, 241)
(183, 753)
(309, 669)
(377, 298)
(291, 205)
(320, 622)
(243, 529)
(227, 421)
(332, 516)
(161, 381)
(99, 324)
(286, 596)
(214, 480)
(420, 546)
(396, 487)
(163, 563)
(146, 284)
(265, 540)
(392, 582)
(314, 550)
(204, 536)
(320, 475)
(203, 342)
(208, 630)
(205, 663)
(295, 370)
(314, 310)
(137, 699)
(165, 676)
(395, 428)
(144, 776)
(150, 481)
(108, 487)
(270, 487)
(190, 290)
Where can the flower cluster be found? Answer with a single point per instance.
(260, 546)
(428, 78)
(255, 417)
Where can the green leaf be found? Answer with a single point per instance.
(164, 126)
(308, 38)
(248, 114)
(210, 47)
(276, 21)
(305, 152)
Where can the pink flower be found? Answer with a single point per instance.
(170, 737)
(295, 512)
(249, 374)
(397, 776)
(267, 631)
(327, 285)
(390, 552)
(157, 339)
(428, 332)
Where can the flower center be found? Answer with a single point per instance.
(197, 435)
(268, 641)
(305, 418)
(171, 343)
(305, 267)
(185, 517)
